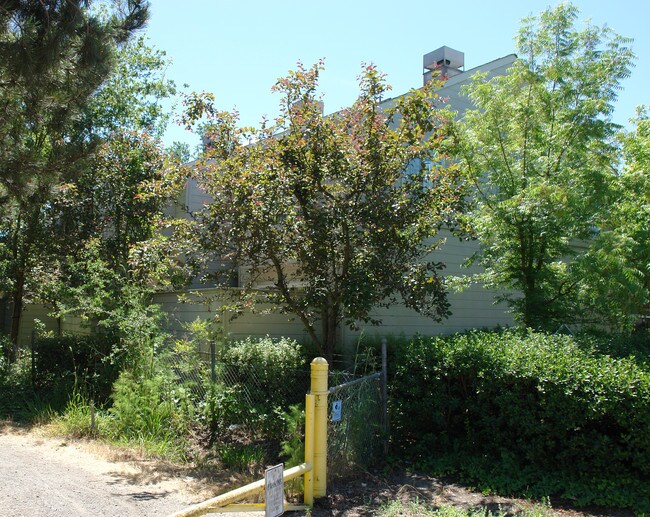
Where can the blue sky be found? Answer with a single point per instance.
(237, 49)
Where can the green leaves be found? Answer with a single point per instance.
(617, 266)
(546, 414)
(539, 148)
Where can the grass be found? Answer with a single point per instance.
(421, 509)
(242, 458)
(81, 419)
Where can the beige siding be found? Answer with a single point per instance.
(27, 322)
(196, 198)
(260, 324)
(33, 312)
(472, 308)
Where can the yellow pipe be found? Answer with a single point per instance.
(239, 493)
(309, 448)
(257, 507)
(319, 390)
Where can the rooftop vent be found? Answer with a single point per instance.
(447, 61)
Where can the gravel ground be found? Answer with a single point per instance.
(46, 477)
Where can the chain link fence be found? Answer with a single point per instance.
(355, 431)
(247, 405)
(243, 403)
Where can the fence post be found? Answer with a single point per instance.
(33, 359)
(310, 403)
(384, 392)
(319, 390)
(213, 361)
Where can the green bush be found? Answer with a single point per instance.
(150, 408)
(258, 379)
(86, 363)
(527, 409)
(268, 370)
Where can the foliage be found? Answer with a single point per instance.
(116, 205)
(330, 216)
(82, 364)
(271, 355)
(53, 57)
(114, 309)
(293, 448)
(617, 268)
(130, 99)
(535, 413)
(79, 419)
(151, 408)
(246, 458)
(94, 260)
(539, 147)
(422, 509)
(257, 381)
(266, 368)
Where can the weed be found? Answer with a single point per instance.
(244, 458)
(422, 509)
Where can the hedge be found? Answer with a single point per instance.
(552, 410)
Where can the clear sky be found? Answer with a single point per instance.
(237, 49)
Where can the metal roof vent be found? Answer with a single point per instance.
(447, 61)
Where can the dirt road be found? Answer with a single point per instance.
(47, 477)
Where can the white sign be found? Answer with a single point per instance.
(336, 410)
(274, 490)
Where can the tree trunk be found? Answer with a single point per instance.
(329, 322)
(17, 298)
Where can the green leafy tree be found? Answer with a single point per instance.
(616, 269)
(53, 56)
(540, 149)
(331, 216)
(114, 202)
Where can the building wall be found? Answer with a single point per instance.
(472, 308)
(208, 305)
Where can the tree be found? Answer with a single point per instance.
(616, 269)
(53, 57)
(330, 216)
(99, 267)
(539, 147)
(114, 201)
(111, 193)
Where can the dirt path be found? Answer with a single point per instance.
(47, 477)
(42, 476)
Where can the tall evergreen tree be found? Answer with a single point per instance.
(54, 54)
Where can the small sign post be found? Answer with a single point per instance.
(274, 491)
(336, 410)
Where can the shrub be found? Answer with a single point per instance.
(87, 363)
(534, 404)
(268, 371)
(151, 408)
(258, 379)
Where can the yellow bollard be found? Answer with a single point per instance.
(309, 448)
(319, 368)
